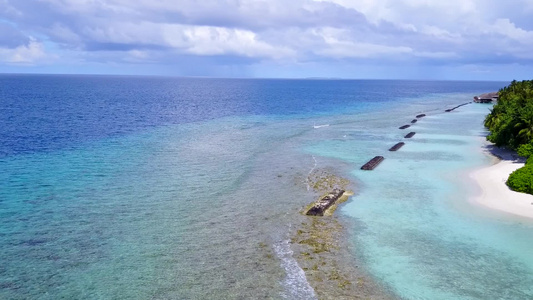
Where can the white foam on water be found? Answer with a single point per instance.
(309, 174)
(295, 283)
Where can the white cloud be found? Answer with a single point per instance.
(439, 33)
(438, 55)
(506, 28)
(406, 11)
(9, 10)
(338, 44)
(64, 34)
(206, 40)
(24, 54)
(277, 31)
(190, 39)
(344, 49)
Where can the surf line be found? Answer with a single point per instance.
(309, 174)
(295, 283)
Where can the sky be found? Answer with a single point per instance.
(361, 39)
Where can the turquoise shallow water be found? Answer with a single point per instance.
(178, 206)
(416, 230)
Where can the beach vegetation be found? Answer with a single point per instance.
(525, 150)
(510, 121)
(521, 180)
(510, 124)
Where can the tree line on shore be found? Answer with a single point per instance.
(510, 124)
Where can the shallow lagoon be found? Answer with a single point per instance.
(189, 188)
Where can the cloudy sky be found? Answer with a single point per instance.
(396, 39)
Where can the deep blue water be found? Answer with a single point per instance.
(180, 188)
(50, 112)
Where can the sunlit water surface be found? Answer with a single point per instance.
(139, 188)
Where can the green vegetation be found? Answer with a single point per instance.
(521, 180)
(510, 123)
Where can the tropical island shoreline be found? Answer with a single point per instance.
(495, 194)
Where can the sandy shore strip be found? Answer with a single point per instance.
(495, 194)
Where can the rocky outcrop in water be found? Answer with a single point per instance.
(323, 204)
(373, 163)
(397, 146)
(409, 135)
(454, 108)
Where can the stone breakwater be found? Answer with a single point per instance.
(322, 250)
(320, 207)
(410, 135)
(397, 146)
(456, 107)
(374, 162)
(319, 243)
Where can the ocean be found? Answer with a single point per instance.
(124, 187)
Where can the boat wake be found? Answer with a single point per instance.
(320, 126)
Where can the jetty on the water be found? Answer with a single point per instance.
(373, 163)
(487, 97)
(409, 135)
(404, 126)
(323, 204)
(413, 121)
(420, 116)
(397, 146)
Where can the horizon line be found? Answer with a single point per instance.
(251, 78)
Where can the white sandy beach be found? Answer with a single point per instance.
(495, 194)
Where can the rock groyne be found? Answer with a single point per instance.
(454, 108)
(320, 207)
(397, 146)
(409, 135)
(373, 163)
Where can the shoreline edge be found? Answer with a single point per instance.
(494, 192)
